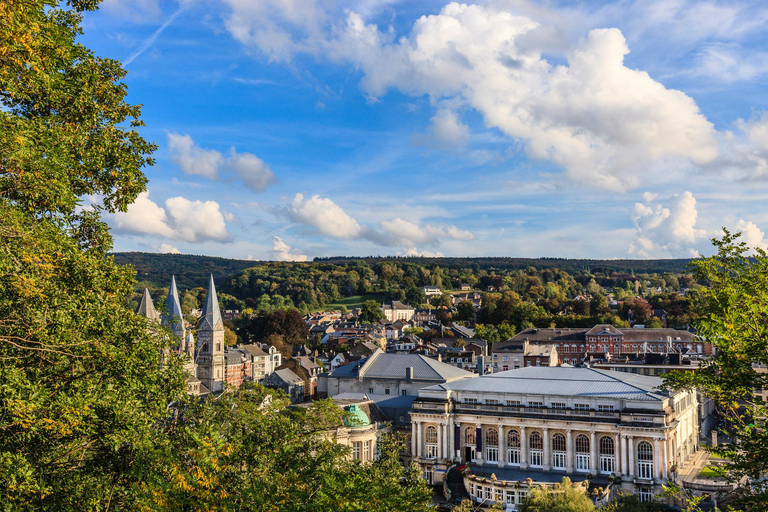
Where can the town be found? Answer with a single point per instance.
(483, 421)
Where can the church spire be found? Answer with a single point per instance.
(173, 316)
(147, 307)
(211, 318)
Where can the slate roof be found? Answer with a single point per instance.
(287, 376)
(392, 366)
(147, 307)
(604, 329)
(254, 350)
(173, 312)
(381, 401)
(561, 381)
(211, 319)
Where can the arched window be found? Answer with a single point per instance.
(582, 453)
(535, 452)
(491, 445)
(644, 460)
(513, 447)
(431, 442)
(607, 455)
(469, 436)
(558, 451)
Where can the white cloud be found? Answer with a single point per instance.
(168, 249)
(601, 121)
(133, 10)
(284, 252)
(325, 215)
(180, 219)
(192, 159)
(415, 253)
(403, 232)
(448, 129)
(251, 170)
(666, 231)
(752, 235)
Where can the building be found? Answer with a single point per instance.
(289, 382)
(362, 426)
(431, 291)
(389, 374)
(535, 425)
(511, 355)
(396, 310)
(210, 343)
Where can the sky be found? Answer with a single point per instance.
(292, 129)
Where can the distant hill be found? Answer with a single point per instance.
(190, 270)
(571, 266)
(193, 271)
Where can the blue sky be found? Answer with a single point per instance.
(289, 129)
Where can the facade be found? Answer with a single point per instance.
(396, 310)
(361, 429)
(390, 374)
(285, 379)
(210, 343)
(535, 425)
(512, 355)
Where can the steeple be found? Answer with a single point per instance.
(173, 317)
(211, 318)
(147, 307)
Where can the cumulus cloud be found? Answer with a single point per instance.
(284, 252)
(448, 130)
(192, 159)
(324, 215)
(328, 218)
(179, 219)
(666, 230)
(168, 249)
(752, 235)
(412, 252)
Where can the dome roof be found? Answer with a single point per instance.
(356, 417)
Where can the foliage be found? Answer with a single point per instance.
(281, 328)
(465, 311)
(370, 312)
(564, 497)
(734, 318)
(494, 333)
(625, 502)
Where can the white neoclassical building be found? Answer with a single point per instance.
(533, 426)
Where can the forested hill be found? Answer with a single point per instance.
(190, 270)
(569, 265)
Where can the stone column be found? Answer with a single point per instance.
(418, 439)
(631, 467)
(502, 446)
(593, 454)
(624, 456)
(656, 459)
(546, 462)
(440, 438)
(451, 438)
(568, 451)
(616, 454)
(479, 441)
(413, 437)
(665, 459)
(523, 449)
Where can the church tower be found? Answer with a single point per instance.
(210, 343)
(173, 318)
(147, 307)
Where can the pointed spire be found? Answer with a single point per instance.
(147, 307)
(211, 318)
(173, 316)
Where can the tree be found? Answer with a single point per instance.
(286, 323)
(564, 497)
(465, 311)
(733, 313)
(624, 502)
(370, 312)
(640, 310)
(494, 333)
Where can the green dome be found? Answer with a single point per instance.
(356, 417)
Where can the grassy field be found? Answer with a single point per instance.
(712, 472)
(355, 301)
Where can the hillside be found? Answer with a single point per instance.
(190, 270)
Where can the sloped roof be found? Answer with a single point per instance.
(393, 366)
(173, 315)
(287, 376)
(211, 319)
(147, 307)
(254, 350)
(562, 381)
(604, 329)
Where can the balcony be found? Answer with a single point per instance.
(508, 410)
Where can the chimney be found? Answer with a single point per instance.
(480, 365)
(409, 373)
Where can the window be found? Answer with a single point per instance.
(513, 447)
(366, 451)
(558, 451)
(386, 391)
(504, 358)
(535, 406)
(513, 403)
(470, 400)
(538, 362)
(479, 492)
(644, 493)
(581, 409)
(429, 475)
(582, 453)
(490, 401)
(488, 493)
(644, 460)
(370, 390)
(491, 445)
(521, 496)
(469, 436)
(510, 497)
(497, 495)
(536, 449)
(431, 442)
(517, 359)
(607, 457)
(557, 405)
(404, 392)
(356, 450)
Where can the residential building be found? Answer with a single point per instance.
(289, 382)
(396, 310)
(431, 291)
(535, 425)
(510, 355)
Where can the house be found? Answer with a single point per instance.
(431, 291)
(510, 355)
(396, 310)
(533, 426)
(289, 382)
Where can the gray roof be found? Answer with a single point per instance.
(561, 381)
(382, 401)
(147, 307)
(211, 319)
(254, 350)
(173, 316)
(287, 376)
(392, 366)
